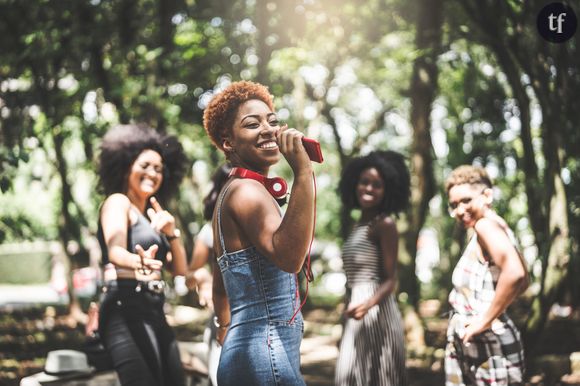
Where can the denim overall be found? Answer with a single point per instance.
(262, 346)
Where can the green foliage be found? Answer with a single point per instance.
(20, 227)
(339, 72)
(9, 161)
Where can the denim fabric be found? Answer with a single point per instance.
(262, 346)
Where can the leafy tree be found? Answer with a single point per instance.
(442, 82)
(542, 75)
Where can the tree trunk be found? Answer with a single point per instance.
(555, 250)
(67, 228)
(554, 94)
(422, 92)
(535, 196)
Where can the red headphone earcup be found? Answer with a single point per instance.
(276, 186)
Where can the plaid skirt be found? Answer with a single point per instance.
(493, 358)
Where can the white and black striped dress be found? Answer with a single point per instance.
(372, 350)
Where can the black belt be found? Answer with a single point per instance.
(153, 286)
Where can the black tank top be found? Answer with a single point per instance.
(139, 233)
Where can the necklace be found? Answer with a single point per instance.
(372, 219)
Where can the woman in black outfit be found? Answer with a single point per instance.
(139, 170)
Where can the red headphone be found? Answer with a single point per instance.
(276, 186)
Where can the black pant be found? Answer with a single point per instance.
(136, 334)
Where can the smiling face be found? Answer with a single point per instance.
(146, 175)
(370, 189)
(252, 143)
(468, 203)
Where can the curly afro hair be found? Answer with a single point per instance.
(393, 170)
(122, 145)
(468, 174)
(219, 115)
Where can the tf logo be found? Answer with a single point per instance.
(557, 22)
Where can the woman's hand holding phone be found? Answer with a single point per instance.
(313, 149)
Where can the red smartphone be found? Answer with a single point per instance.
(313, 149)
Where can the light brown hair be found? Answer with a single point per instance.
(468, 174)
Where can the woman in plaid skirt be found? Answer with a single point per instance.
(483, 344)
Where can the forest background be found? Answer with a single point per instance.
(445, 82)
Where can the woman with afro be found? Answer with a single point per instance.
(139, 169)
(372, 349)
(259, 251)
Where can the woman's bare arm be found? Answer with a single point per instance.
(115, 222)
(385, 232)
(284, 241)
(197, 275)
(494, 242)
(221, 304)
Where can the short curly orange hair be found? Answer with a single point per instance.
(468, 174)
(219, 115)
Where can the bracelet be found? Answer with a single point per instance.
(216, 323)
(176, 234)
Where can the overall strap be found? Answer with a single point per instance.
(219, 219)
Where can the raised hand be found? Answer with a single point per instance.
(291, 147)
(161, 220)
(147, 264)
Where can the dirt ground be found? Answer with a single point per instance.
(319, 351)
(27, 335)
